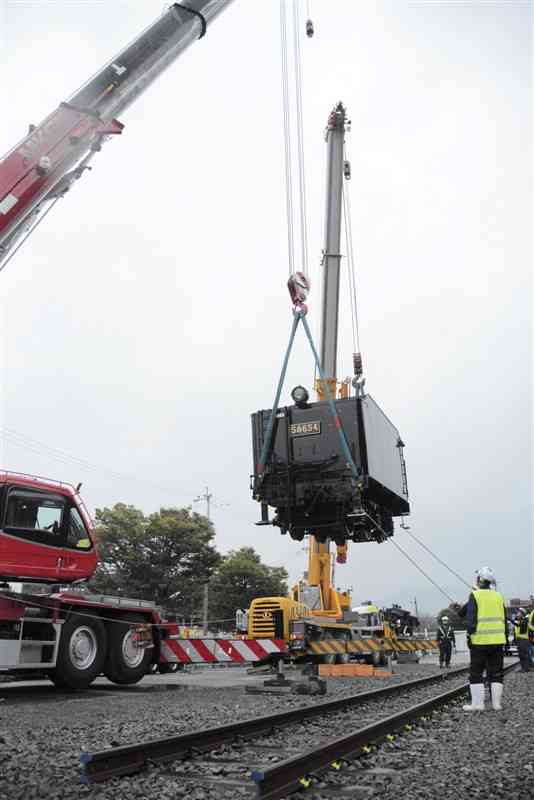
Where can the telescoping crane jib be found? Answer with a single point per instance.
(55, 153)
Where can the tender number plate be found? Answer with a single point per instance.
(304, 428)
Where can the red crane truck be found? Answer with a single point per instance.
(46, 537)
(45, 530)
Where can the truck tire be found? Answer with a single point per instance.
(373, 659)
(81, 652)
(169, 669)
(328, 658)
(58, 682)
(125, 663)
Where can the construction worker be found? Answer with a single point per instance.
(486, 626)
(531, 638)
(521, 639)
(446, 641)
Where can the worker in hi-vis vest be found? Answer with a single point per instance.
(486, 626)
(446, 641)
(531, 637)
(521, 637)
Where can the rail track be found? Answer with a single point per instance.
(229, 756)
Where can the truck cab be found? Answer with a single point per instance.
(45, 531)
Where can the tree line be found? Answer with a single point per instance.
(170, 555)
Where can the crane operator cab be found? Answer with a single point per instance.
(45, 531)
(308, 481)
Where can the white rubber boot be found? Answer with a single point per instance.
(496, 696)
(477, 698)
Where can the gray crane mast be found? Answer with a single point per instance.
(335, 137)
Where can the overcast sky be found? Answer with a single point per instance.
(147, 317)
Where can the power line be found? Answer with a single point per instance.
(16, 439)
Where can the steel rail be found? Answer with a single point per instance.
(287, 776)
(128, 759)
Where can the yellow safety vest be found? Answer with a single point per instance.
(490, 617)
(517, 630)
(531, 621)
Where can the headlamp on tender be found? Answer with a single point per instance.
(300, 396)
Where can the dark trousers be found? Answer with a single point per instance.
(487, 657)
(522, 651)
(445, 650)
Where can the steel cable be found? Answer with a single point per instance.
(287, 138)
(410, 559)
(300, 138)
(350, 259)
(466, 583)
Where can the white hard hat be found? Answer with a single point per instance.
(445, 619)
(485, 574)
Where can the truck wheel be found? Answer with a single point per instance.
(58, 682)
(342, 658)
(168, 669)
(81, 653)
(125, 663)
(373, 659)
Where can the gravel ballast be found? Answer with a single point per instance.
(42, 735)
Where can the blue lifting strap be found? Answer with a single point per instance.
(298, 315)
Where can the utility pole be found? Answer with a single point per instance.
(207, 498)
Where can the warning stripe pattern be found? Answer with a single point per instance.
(215, 651)
(333, 646)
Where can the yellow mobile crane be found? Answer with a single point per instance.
(317, 488)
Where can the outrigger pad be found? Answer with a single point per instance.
(308, 482)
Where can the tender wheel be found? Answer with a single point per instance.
(342, 658)
(81, 653)
(125, 663)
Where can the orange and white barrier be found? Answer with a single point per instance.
(215, 651)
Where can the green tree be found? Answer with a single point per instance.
(240, 578)
(119, 533)
(166, 557)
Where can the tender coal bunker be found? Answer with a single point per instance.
(310, 485)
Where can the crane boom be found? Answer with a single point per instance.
(55, 153)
